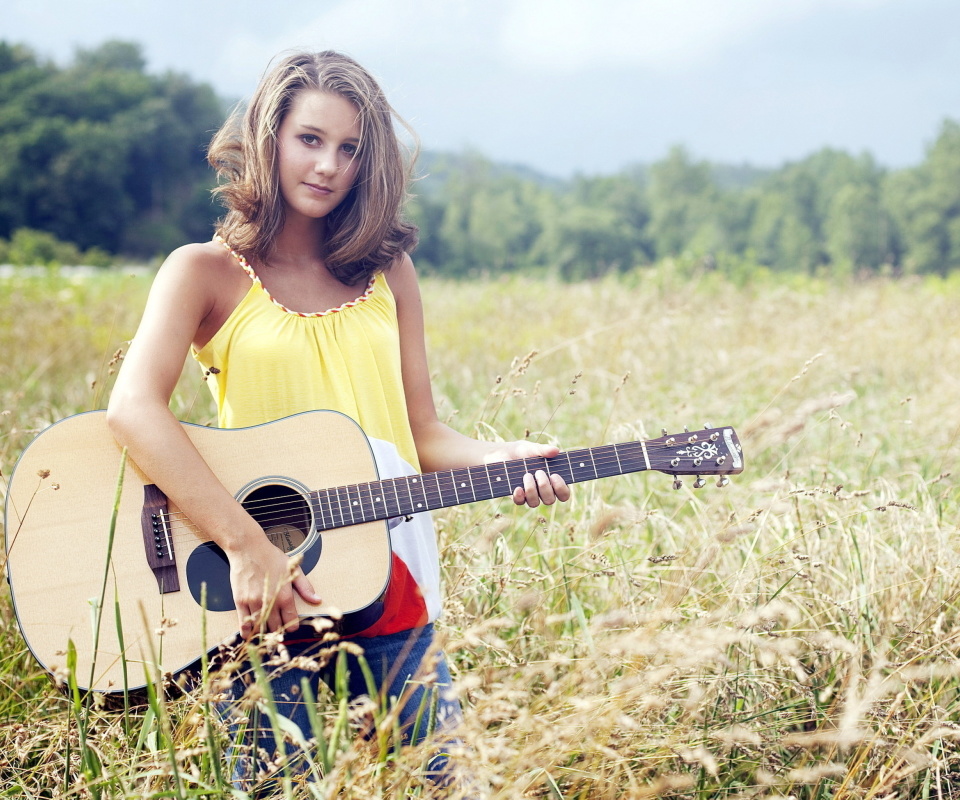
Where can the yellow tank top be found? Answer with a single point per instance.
(268, 362)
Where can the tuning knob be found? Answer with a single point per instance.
(724, 480)
(699, 483)
(677, 483)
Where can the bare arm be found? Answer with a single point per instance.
(440, 447)
(181, 300)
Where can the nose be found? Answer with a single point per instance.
(326, 163)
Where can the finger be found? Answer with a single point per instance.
(545, 487)
(246, 621)
(530, 488)
(560, 488)
(303, 587)
(274, 620)
(289, 618)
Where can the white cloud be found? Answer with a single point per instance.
(570, 35)
(384, 35)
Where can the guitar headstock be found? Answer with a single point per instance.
(709, 451)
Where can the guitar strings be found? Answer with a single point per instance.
(358, 488)
(180, 526)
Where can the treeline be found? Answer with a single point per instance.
(829, 212)
(99, 157)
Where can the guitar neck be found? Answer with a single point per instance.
(398, 497)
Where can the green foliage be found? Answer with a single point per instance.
(32, 248)
(925, 202)
(828, 213)
(99, 151)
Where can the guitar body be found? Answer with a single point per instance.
(58, 530)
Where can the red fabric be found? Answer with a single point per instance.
(403, 606)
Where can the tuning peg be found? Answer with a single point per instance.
(707, 426)
(663, 431)
(686, 429)
(677, 483)
(699, 483)
(724, 480)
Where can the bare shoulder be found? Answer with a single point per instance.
(207, 271)
(201, 261)
(402, 278)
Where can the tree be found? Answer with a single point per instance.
(101, 153)
(925, 201)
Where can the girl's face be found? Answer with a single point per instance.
(317, 147)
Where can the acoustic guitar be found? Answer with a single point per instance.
(121, 573)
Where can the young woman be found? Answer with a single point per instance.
(306, 299)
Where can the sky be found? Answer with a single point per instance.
(575, 86)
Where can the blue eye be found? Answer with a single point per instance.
(350, 149)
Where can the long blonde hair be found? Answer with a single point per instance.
(366, 232)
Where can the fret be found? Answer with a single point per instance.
(607, 466)
(486, 472)
(515, 472)
(582, 466)
(438, 502)
(339, 507)
(397, 483)
(373, 502)
(419, 499)
(632, 459)
(354, 503)
(464, 486)
(478, 483)
(559, 465)
(453, 482)
(316, 504)
(357, 503)
(391, 512)
(499, 478)
(446, 488)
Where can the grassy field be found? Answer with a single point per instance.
(794, 634)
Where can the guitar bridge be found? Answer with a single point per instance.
(158, 539)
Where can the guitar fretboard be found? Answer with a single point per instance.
(399, 497)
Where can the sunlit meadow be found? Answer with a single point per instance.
(795, 633)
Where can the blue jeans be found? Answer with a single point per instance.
(403, 673)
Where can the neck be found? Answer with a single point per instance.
(299, 242)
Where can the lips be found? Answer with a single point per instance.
(322, 190)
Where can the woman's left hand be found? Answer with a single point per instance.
(538, 487)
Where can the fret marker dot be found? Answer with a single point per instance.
(581, 464)
(355, 502)
(462, 485)
(499, 479)
(377, 499)
(413, 480)
(419, 505)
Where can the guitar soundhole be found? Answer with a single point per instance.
(283, 513)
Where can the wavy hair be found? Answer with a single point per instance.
(367, 232)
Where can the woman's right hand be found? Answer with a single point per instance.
(265, 583)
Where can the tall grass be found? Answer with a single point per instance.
(793, 634)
